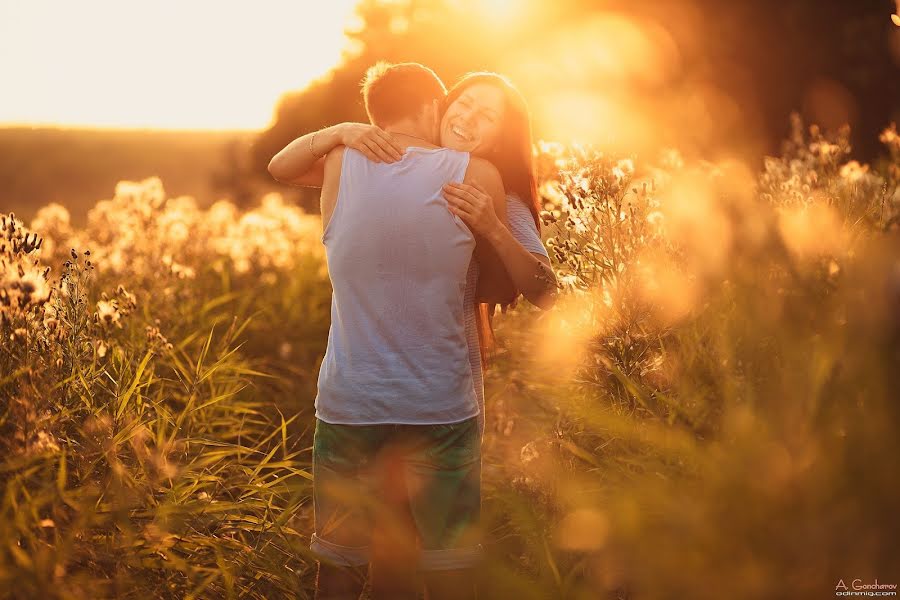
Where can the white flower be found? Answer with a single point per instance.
(568, 281)
(853, 171)
(107, 312)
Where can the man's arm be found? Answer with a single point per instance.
(302, 161)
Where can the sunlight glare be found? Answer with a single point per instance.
(500, 11)
(167, 64)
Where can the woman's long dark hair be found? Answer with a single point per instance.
(514, 160)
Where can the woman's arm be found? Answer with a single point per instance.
(302, 161)
(521, 224)
(530, 273)
(495, 286)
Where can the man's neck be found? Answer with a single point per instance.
(409, 130)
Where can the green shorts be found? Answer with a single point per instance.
(361, 471)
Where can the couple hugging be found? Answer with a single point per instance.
(430, 219)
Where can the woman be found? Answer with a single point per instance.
(484, 114)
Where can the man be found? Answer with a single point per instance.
(396, 409)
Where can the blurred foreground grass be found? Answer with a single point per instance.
(710, 411)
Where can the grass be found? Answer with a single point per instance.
(709, 411)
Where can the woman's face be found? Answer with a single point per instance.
(474, 121)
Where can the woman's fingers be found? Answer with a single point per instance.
(465, 187)
(393, 146)
(462, 191)
(386, 151)
(366, 144)
(478, 187)
(375, 143)
(461, 208)
(456, 211)
(459, 200)
(370, 150)
(460, 204)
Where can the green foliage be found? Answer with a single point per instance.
(707, 412)
(717, 449)
(137, 465)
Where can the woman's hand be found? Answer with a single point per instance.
(473, 205)
(374, 142)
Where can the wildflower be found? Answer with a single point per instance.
(34, 289)
(891, 139)
(107, 312)
(853, 172)
(578, 224)
(155, 337)
(568, 281)
(623, 169)
(129, 299)
(554, 148)
(824, 149)
(27, 244)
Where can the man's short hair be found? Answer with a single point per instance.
(392, 92)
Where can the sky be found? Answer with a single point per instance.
(162, 64)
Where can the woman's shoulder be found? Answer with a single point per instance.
(515, 205)
(522, 225)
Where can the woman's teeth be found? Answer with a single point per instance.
(461, 133)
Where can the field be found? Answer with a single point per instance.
(78, 167)
(710, 411)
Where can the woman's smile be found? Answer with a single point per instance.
(464, 135)
(472, 122)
